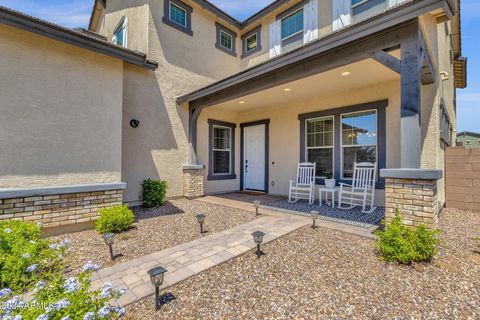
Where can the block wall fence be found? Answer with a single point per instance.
(462, 178)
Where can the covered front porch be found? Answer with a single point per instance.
(360, 102)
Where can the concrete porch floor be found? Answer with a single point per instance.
(244, 201)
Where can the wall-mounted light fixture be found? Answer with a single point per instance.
(134, 123)
(444, 75)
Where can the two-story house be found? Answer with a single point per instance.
(235, 105)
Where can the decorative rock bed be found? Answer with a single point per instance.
(327, 274)
(155, 229)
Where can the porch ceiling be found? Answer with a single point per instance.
(361, 74)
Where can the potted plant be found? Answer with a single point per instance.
(329, 181)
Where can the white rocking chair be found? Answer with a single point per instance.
(304, 186)
(362, 189)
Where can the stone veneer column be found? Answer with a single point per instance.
(59, 206)
(193, 186)
(413, 192)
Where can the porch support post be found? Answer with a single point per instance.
(194, 113)
(410, 133)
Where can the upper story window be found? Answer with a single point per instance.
(292, 25)
(252, 41)
(120, 33)
(446, 128)
(364, 8)
(178, 15)
(226, 40)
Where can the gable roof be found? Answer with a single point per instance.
(468, 133)
(78, 38)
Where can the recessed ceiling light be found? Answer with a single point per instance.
(346, 73)
(287, 89)
(242, 102)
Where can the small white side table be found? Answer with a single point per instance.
(324, 190)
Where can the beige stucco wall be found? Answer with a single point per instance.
(60, 113)
(439, 44)
(284, 144)
(159, 148)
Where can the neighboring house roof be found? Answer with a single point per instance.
(401, 13)
(468, 133)
(82, 39)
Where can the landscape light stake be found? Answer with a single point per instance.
(256, 203)
(258, 239)
(109, 239)
(200, 219)
(314, 218)
(156, 277)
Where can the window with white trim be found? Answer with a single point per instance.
(221, 150)
(292, 25)
(177, 14)
(226, 40)
(251, 42)
(358, 140)
(362, 9)
(120, 33)
(319, 145)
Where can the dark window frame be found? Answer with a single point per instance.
(232, 175)
(380, 106)
(184, 6)
(258, 31)
(446, 128)
(219, 27)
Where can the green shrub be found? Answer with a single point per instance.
(61, 298)
(153, 193)
(406, 245)
(114, 219)
(24, 257)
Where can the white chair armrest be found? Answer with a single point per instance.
(345, 184)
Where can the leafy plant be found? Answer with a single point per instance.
(61, 298)
(328, 175)
(406, 245)
(24, 257)
(153, 193)
(114, 219)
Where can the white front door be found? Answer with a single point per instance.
(254, 157)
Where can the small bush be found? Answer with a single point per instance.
(406, 245)
(114, 219)
(24, 257)
(153, 193)
(61, 298)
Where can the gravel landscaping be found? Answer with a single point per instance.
(155, 229)
(327, 274)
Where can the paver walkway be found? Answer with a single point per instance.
(188, 259)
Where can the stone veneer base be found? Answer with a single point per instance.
(193, 186)
(413, 194)
(61, 209)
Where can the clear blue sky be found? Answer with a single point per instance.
(76, 13)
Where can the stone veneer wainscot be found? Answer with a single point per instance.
(193, 186)
(414, 193)
(59, 206)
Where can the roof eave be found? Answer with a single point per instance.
(397, 15)
(56, 32)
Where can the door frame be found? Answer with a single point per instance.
(265, 122)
